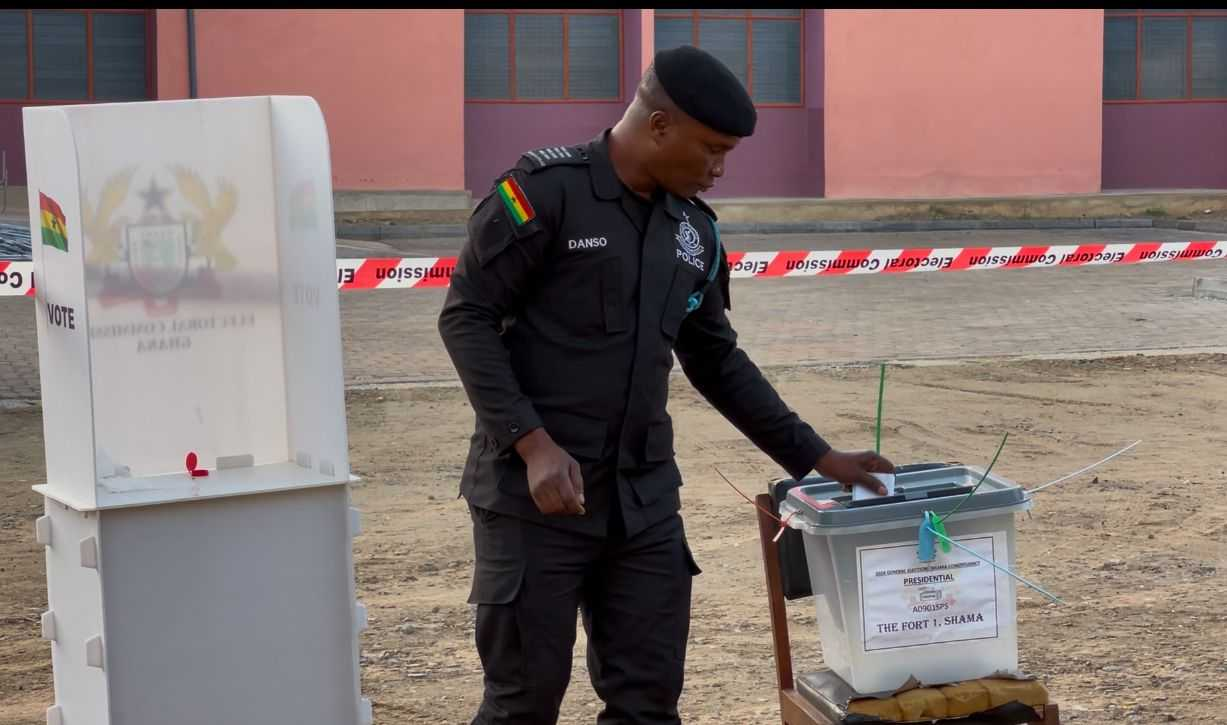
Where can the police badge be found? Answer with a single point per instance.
(690, 245)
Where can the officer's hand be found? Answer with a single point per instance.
(854, 468)
(554, 478)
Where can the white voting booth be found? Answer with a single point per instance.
(189, 318)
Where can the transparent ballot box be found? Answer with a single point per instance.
(885, 615)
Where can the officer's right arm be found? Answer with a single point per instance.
(495, 267)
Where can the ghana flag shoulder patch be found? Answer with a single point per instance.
(54, 226)
(516, 201)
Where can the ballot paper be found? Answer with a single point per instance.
(860, 493)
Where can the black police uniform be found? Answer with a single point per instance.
(570, 321)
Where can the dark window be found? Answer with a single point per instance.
(1120, 58)
(762, 47)
(1165, 55)
(75, 55)
(565, 55)
(539, 56)
(61, 69)
(485, 56)
(1164, 41)
(14, 55)
(592, 46)
(119, 57)
(1210, 57)
(777, 61)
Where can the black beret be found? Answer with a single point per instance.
(706, 89)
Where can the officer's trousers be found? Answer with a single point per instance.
(634, 597)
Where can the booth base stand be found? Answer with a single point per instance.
(236, 609)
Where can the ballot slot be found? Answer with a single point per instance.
(879, 501)
(903, 493)
(949, 491)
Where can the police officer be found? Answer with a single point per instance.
(586, 269)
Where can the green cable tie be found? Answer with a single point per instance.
(982, 479)
(877, 440)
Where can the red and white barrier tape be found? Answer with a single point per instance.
(16, 278)
(898, 261)
(401, 273)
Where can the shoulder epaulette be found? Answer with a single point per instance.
(553, 156)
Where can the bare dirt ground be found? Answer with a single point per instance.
(1139, 554)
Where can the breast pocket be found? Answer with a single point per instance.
(685, 283)
(613, 295)
(590, 299)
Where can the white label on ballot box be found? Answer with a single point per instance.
(908, 603)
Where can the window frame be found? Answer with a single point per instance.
(750, 17)
(1139, 16)
(566, 55)
(151, 47)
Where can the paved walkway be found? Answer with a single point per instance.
(390, 337)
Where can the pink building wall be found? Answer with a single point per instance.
(945, 103)
(784, 157)
(171, 70)
(815, 100)
(774, 162)
(390, 83)
(497, 133)
(1165, 146)
(938, 103)
(12, 142)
